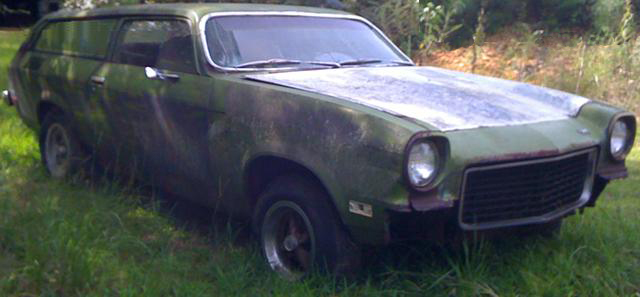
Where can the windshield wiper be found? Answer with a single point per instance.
(359, 62)
(275, 62)
(403, 63)
(373, 61)
(284, 62)
(267, 62)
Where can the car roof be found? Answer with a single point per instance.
(188, 10)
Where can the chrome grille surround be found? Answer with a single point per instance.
(586, 175)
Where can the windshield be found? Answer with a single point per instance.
(276, 41)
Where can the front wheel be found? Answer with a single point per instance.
(300, 231)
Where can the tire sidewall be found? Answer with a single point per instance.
(332, 243)
(75, 157)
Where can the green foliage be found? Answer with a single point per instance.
(613, 64)
(550, 15)
(627, 24)
(607, 15)
(438, 23)
(525, 49)
(86, 4)
(478, 37)
(497, 15)
(397, 18)
(567, 13)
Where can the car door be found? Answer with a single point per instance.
(159, 105)
(59, 66)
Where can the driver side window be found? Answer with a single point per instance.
(162, 44)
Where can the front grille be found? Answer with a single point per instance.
(524, 192)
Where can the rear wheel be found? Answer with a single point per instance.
(60, 151)
(300, 231)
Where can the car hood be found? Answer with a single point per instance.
(447, 100)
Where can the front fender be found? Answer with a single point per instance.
(356, 152)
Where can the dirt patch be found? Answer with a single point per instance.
(512, 55)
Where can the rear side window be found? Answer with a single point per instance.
(84, 38)
(164, 44)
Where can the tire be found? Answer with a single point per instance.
(301, 232)
(60, 151)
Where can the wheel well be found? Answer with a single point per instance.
(44, 108)
(263, 170)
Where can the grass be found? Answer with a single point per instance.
(100, 239)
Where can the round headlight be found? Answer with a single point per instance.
(422, 164)
(619, 141)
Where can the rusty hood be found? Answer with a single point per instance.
(447, 100)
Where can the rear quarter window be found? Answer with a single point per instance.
(83, 38)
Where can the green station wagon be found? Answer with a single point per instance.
(310, 123)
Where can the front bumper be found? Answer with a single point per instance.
(437, 219)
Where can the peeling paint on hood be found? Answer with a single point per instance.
(447, 100)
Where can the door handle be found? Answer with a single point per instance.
(98, 80)
(168, 75)
(155, 74)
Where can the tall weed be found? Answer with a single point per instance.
(611, 65)
(397, 18)
(438, 23)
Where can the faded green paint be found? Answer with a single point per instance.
(197, 135)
